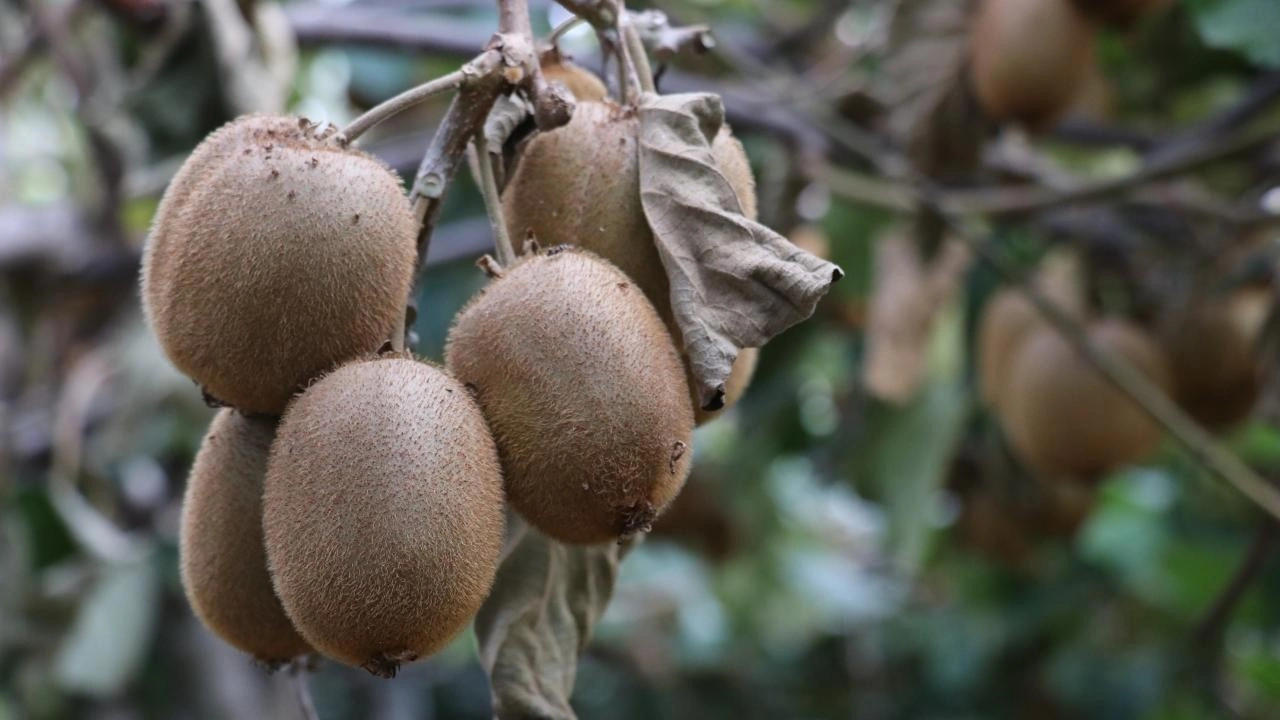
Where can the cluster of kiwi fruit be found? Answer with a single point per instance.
(594, 159)
(1030, 60)
(349, 499)
(342, 502)
(1064, 419)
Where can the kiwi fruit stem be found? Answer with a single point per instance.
(483, 164)
(405, 100)
(635, 48)
(564, 27)
(629, 86)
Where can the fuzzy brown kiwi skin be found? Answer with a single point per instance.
(582, 83)
(223, 563)
(1216, 377)
(1028, 59)
(593, 163)
(1007, 319)
(584, 392)
(383, 512)
(274, 256)
(1062, 416)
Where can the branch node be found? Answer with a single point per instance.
(553, 105)
(430, 185)
(492, 269)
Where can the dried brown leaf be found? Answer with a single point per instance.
(545, 601)
(935, 116)
(734, 282)
(508, 112)
(907, 296)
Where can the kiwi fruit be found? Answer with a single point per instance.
(383, 512)
(1029, 59)
(223, 564)
(1096, 99)
(584, 391)
(1006, 320)
(275, 255)
(593, 167)
(1216, 377)
(1009, 316)
(1062, 415)
(1006, 523)
(584, 84)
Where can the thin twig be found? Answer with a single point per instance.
(492, 200)
(317, 24)
(405, 100)
(1003, 202)
(631, 87)
(666, 41)
(606, 16)
(465, 117)
(638, 56)
(75, 66)
(1020, 201)
(509, 62)
(602, 14)
(161, 46)
(302, 690)
(614, 48)
(13, 65)
(93, 530)
(1083, 132)
(867, 189)
(564, 27)
(1208, 632)
(1256, 100)
(35, 39)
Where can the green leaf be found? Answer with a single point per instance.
(1128, 533)
(112, 630)
(1255, 666)
(1246, 26)
(912, 444)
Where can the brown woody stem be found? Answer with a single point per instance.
(564, 27)
(1208, 632)
(629, 83)
(483, 164)
(482, 83)
(508, 63)
(398, 104)
(638, 56)
(513, 18)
